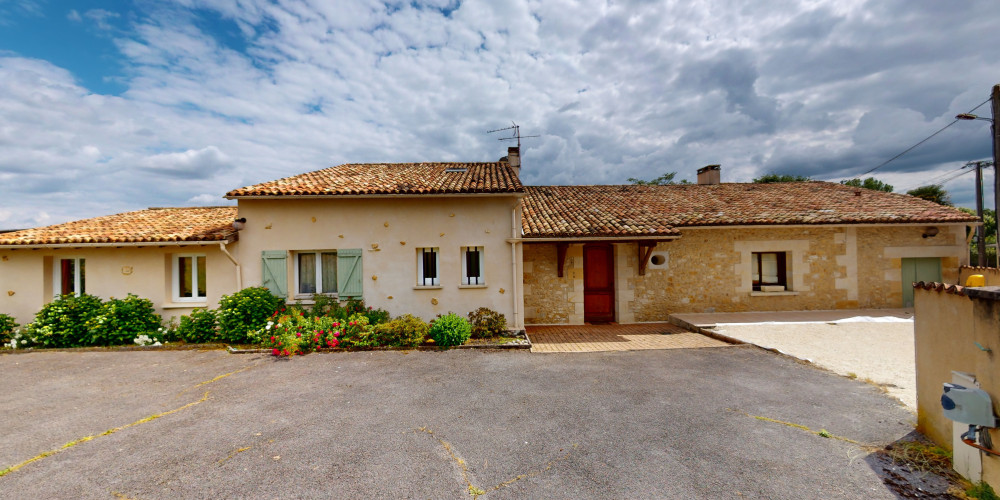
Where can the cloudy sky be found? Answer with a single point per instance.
(113, 106)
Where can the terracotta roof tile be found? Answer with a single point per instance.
(142, 226)
(940, 287)
(568, 211)
(392, 178)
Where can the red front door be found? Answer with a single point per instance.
(598, 284)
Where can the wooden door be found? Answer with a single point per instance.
(598, 284)
(920, 269)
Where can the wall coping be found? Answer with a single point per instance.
(984, 293)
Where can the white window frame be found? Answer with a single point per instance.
(466, 279)
(78, 276)
(176, 277)
(436, 280)
(318, 255)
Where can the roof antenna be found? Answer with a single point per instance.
(516, 136)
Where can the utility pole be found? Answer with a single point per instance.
(980, 229)
(995, 97)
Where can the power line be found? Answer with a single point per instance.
(941, 180)
(933, 180)
(911, 148)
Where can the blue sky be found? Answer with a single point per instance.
(113, 106)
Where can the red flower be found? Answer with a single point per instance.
(272, 338)
(336, 334)
(299, 334)
(336, 324)
(275, 352)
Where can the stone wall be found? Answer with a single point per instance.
(547, 297)
(709, 270)
(952, 332)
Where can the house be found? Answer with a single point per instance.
(429, 238)
(639, 253)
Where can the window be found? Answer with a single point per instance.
(315, 272)
(768, 269)
(427, 267)
(190, 278)
(70, 277)
(472, 266)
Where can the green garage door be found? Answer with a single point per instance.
(922, 269)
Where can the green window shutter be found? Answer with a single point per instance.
(349, 284)
(274, 275)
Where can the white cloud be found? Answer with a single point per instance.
(615, 89)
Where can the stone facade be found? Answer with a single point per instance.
(709, 270)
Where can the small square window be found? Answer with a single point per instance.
(190, 278)
(70, 277)
(472, 266)
(427, 267)
(768, 269)
(315, 272)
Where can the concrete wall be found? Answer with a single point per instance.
(709, 270)
(389, 231)
(946, 328)
(26, 276)
(991, 274)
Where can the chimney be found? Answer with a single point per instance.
(709, 174)
(514, 159)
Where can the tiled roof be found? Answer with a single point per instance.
(392, 178)
(154, 225)
(632, 210)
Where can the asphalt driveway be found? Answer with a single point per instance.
(696, 423)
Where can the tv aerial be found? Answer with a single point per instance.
(516, 135)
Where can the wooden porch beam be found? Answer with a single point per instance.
(561, 256)
(645, 252)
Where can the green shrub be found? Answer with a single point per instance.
(377, 316)
(245, 311)
(120, 321)
(487, 323)
(450, 330)
(356, 332)
(325, 305)
(201, 326)
(355, 306)
(7, 326)
(63, 322)
(404, 331)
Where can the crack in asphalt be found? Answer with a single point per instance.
(476, 491)
(141, 421)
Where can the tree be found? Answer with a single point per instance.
(933, 192)
(772, 177)
(989, 222)
(665, 179)
(869, 183)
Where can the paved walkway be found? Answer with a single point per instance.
(876, 349)
(594, 338)
(708, 320)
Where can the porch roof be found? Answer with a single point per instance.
(637, 211)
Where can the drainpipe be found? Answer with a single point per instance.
(513, 263)
(239, 270)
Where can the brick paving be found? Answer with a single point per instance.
(596, 338)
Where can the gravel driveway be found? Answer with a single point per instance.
(879, 350)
